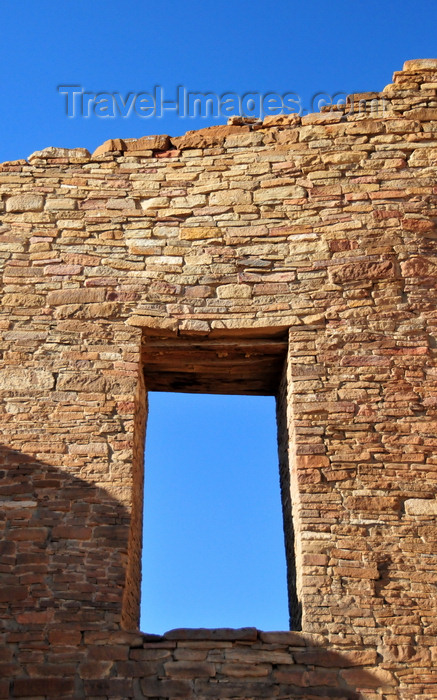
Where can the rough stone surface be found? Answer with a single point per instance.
(296, 257)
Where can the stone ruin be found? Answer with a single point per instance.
(296, 257)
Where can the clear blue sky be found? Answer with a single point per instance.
(205, 46)
(213, 542)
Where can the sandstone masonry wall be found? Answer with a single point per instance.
(319, 232)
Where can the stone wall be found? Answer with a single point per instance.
(315, 232)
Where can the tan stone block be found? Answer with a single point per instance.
(293, 230)
(60, 203)
(163, 262)
(421, 506)
(281, 120)
(326, 407)
(154, 203)
(417, 65)
(362, 270)
(68, 154)
(74, 381)
(359, 572)
(209, 137)
(244, 140)
(91, 448)
(372, 503)
(194, 327)
(59, 270)
(161, 142)
(109, 147)
(145, 248)
(230, 197)
(75, 296)
(20, 379)
(194, 233)
(234, 291)
(25, 202)
(121, 203)
(344, 157)
(11, 247)
(365, 126)
(107, 309)
(274, 195)
(423, 114)
(22, 300)
(315, 560)
(308, 476)
(153, 322)
(322, 118)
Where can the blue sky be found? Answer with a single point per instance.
(219, 47)
(203, 45)
(213, 542)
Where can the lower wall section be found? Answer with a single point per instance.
(220, 663)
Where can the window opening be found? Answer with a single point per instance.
(213, 552)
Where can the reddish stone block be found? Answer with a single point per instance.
(65, 637)
(109, 653)
(72, 532)
(33, 534)
(13, 593)
(312, 461)
(418, 225)
(28, 687)
(5, 689)
(111, 687)
(419, 266)
(189, 669)
(152, 688)
(234, 689)
(362, 271)
(339, 659)
(359, 572)
(376, 504)
(35, 617)
(208, 137)
(361, 678)
(220, 634)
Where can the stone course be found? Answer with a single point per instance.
(295, 256)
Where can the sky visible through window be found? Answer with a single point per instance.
(213, 552)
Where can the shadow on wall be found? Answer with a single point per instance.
(62, 574)
(62, 561)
